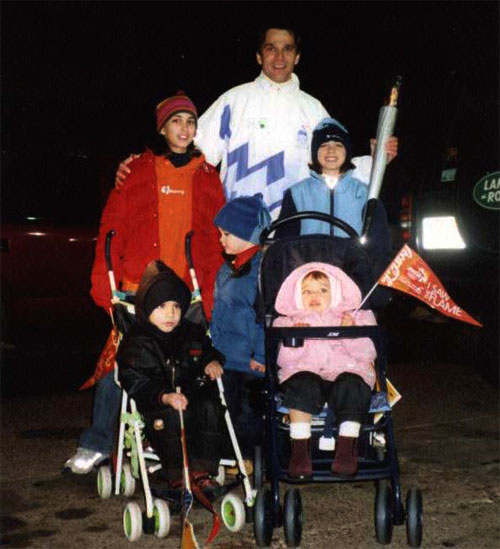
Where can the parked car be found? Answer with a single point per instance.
(453, 220)
(50, 211)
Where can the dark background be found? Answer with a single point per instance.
(86, 76)
(80, 81)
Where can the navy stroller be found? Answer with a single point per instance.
(377, 459)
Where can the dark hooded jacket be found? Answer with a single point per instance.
(151, 362)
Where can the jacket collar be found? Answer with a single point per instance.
(267, 84)
(244, 257)
(340, 187)
(240, 263)
(148, 156)
(194, 163)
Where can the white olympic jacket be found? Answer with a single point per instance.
(261, 133)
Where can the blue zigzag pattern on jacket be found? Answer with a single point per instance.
(225, 119)
(275, 164)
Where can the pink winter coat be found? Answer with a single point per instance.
(327, 358)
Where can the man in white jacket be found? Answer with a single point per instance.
(260, 132)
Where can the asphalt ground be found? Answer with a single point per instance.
(446, 428)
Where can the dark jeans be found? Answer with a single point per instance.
(100, 436)
(348, 396)
(204, 429)
(243, 394)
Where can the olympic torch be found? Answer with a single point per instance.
(385, 127)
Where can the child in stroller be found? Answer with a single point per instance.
(165, 361)
(338, 371)
(163, 351)
(292, 258)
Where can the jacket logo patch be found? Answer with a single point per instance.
(167, 189)
(194, 352)
(302, 138)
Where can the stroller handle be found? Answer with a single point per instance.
(187, 249)
(335, 221)
(107, 249)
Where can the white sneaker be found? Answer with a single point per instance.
(234, 470)
(84, 461)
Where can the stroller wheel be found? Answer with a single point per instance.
(263, 518)
(414, 517)
(104, 481)
(292, 517)
(383, 512)
(127, 481)
(233, 512)
(132, 521)
(161, 514)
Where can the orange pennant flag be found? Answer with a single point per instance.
(409, 273)
(106, 361)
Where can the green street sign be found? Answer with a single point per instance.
(487, 191)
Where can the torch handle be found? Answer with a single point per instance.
(385, 128)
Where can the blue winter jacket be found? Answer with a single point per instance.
(346, 201)
(234, 328)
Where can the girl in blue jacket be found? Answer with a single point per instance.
(235, 329)
(332, 188)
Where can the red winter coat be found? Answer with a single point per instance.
(132, 212)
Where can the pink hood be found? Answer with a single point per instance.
(346, 295)
(326, 358)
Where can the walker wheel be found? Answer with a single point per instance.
(383, 512)
(233, 512)
(292, 517)
(161, 515)
(414, 517)
(263, 518)
(104, 481)
(132, 521)
(127, 480)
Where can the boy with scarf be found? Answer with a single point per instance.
(235, 329)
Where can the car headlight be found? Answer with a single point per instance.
(441, 233)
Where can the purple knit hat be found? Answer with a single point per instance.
(179, 102)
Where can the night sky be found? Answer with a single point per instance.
(89, 74)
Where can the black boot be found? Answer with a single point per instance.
(300, 465)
